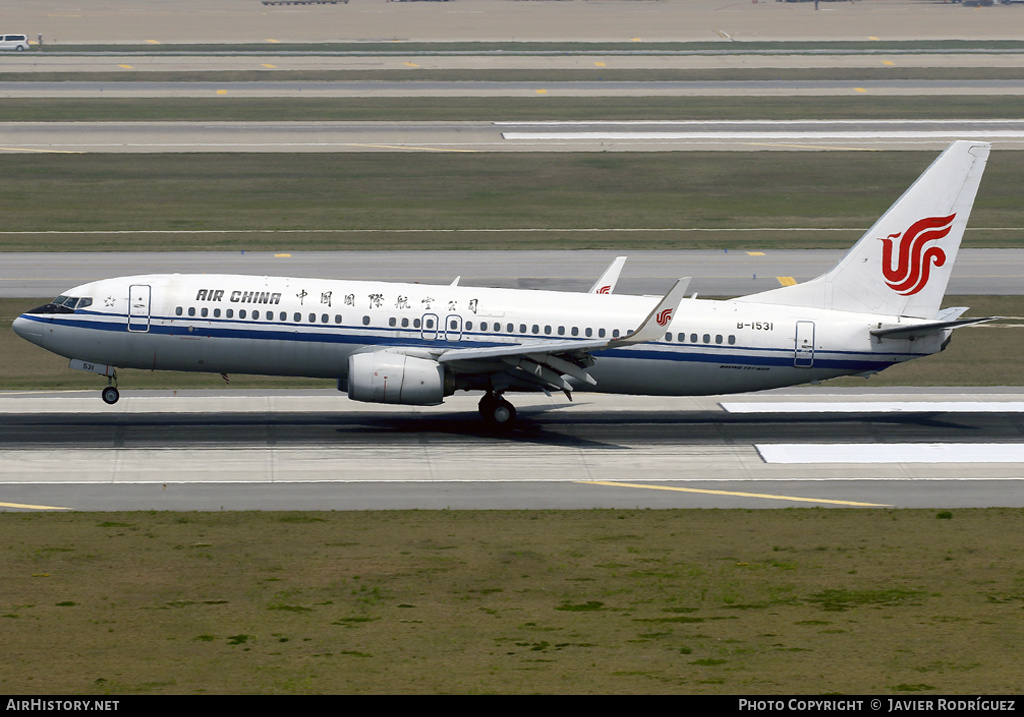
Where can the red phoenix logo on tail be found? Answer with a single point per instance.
(914, 261)
(664, 317)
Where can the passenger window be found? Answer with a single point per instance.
(718, 339)
(241, 313)
(392, 321)
(405, 322)
(229, 313)
(312, 318)
(216, 313)
(415, 323)
(366, 321)
(547, 330)
(469, 326)
(177, 311)
(204, 312)
(668, 337)
(561, 331)
(283, 316)
(732, 340)
(600, 333)
(693, 338)
(588, 332)
(707, 338)
(337, 319)
(324, 318)
(536, 329)
(615, 333)
(191, 311)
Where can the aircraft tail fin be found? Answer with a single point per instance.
(606, 283)
(901, 266)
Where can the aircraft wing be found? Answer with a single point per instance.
(546, 362)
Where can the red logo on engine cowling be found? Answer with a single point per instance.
(914, 261)
(664, 317)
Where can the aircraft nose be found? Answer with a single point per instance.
(27, 329)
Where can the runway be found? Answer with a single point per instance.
(497, 136)
(714, 272)
(317, 450)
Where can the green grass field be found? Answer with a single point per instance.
(379, 201)
(500, 108)
(503, 602)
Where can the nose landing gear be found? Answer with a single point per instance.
(110, 394)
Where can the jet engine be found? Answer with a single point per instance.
(388, 377)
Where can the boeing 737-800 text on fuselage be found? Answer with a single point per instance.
(415, 344)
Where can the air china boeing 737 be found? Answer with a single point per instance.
(415, 344)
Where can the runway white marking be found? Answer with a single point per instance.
(892, 453)
(759, 123)
(988, 135)
(874, 407)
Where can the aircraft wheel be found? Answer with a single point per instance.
(502, 413)
(110, 395)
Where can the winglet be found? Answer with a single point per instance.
(606, 284)
(653, 327)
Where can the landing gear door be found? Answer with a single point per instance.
(138, 308)
(803, 353)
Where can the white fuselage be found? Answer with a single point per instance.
(309, 327)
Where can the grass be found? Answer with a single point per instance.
(380, 201)
(584, 602)
(976, 357)
(500, 108)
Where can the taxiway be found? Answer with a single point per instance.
(501, 136)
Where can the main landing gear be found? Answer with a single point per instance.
(498, 412)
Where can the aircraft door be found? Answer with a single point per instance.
(803, 351)
(429, 327)
(138, 308)
(453, 327)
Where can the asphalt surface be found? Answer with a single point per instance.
(317, 450)
(497, 136)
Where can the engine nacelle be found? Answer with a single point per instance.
(385, 377)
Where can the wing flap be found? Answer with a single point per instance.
(547, 362)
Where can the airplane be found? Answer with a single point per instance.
(416, 344)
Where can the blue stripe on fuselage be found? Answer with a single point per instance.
(342, 334)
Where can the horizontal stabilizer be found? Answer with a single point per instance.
(905, 332)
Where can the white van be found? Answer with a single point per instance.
(14, 42)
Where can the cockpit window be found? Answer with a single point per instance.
(63, 305)
(72, 302)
